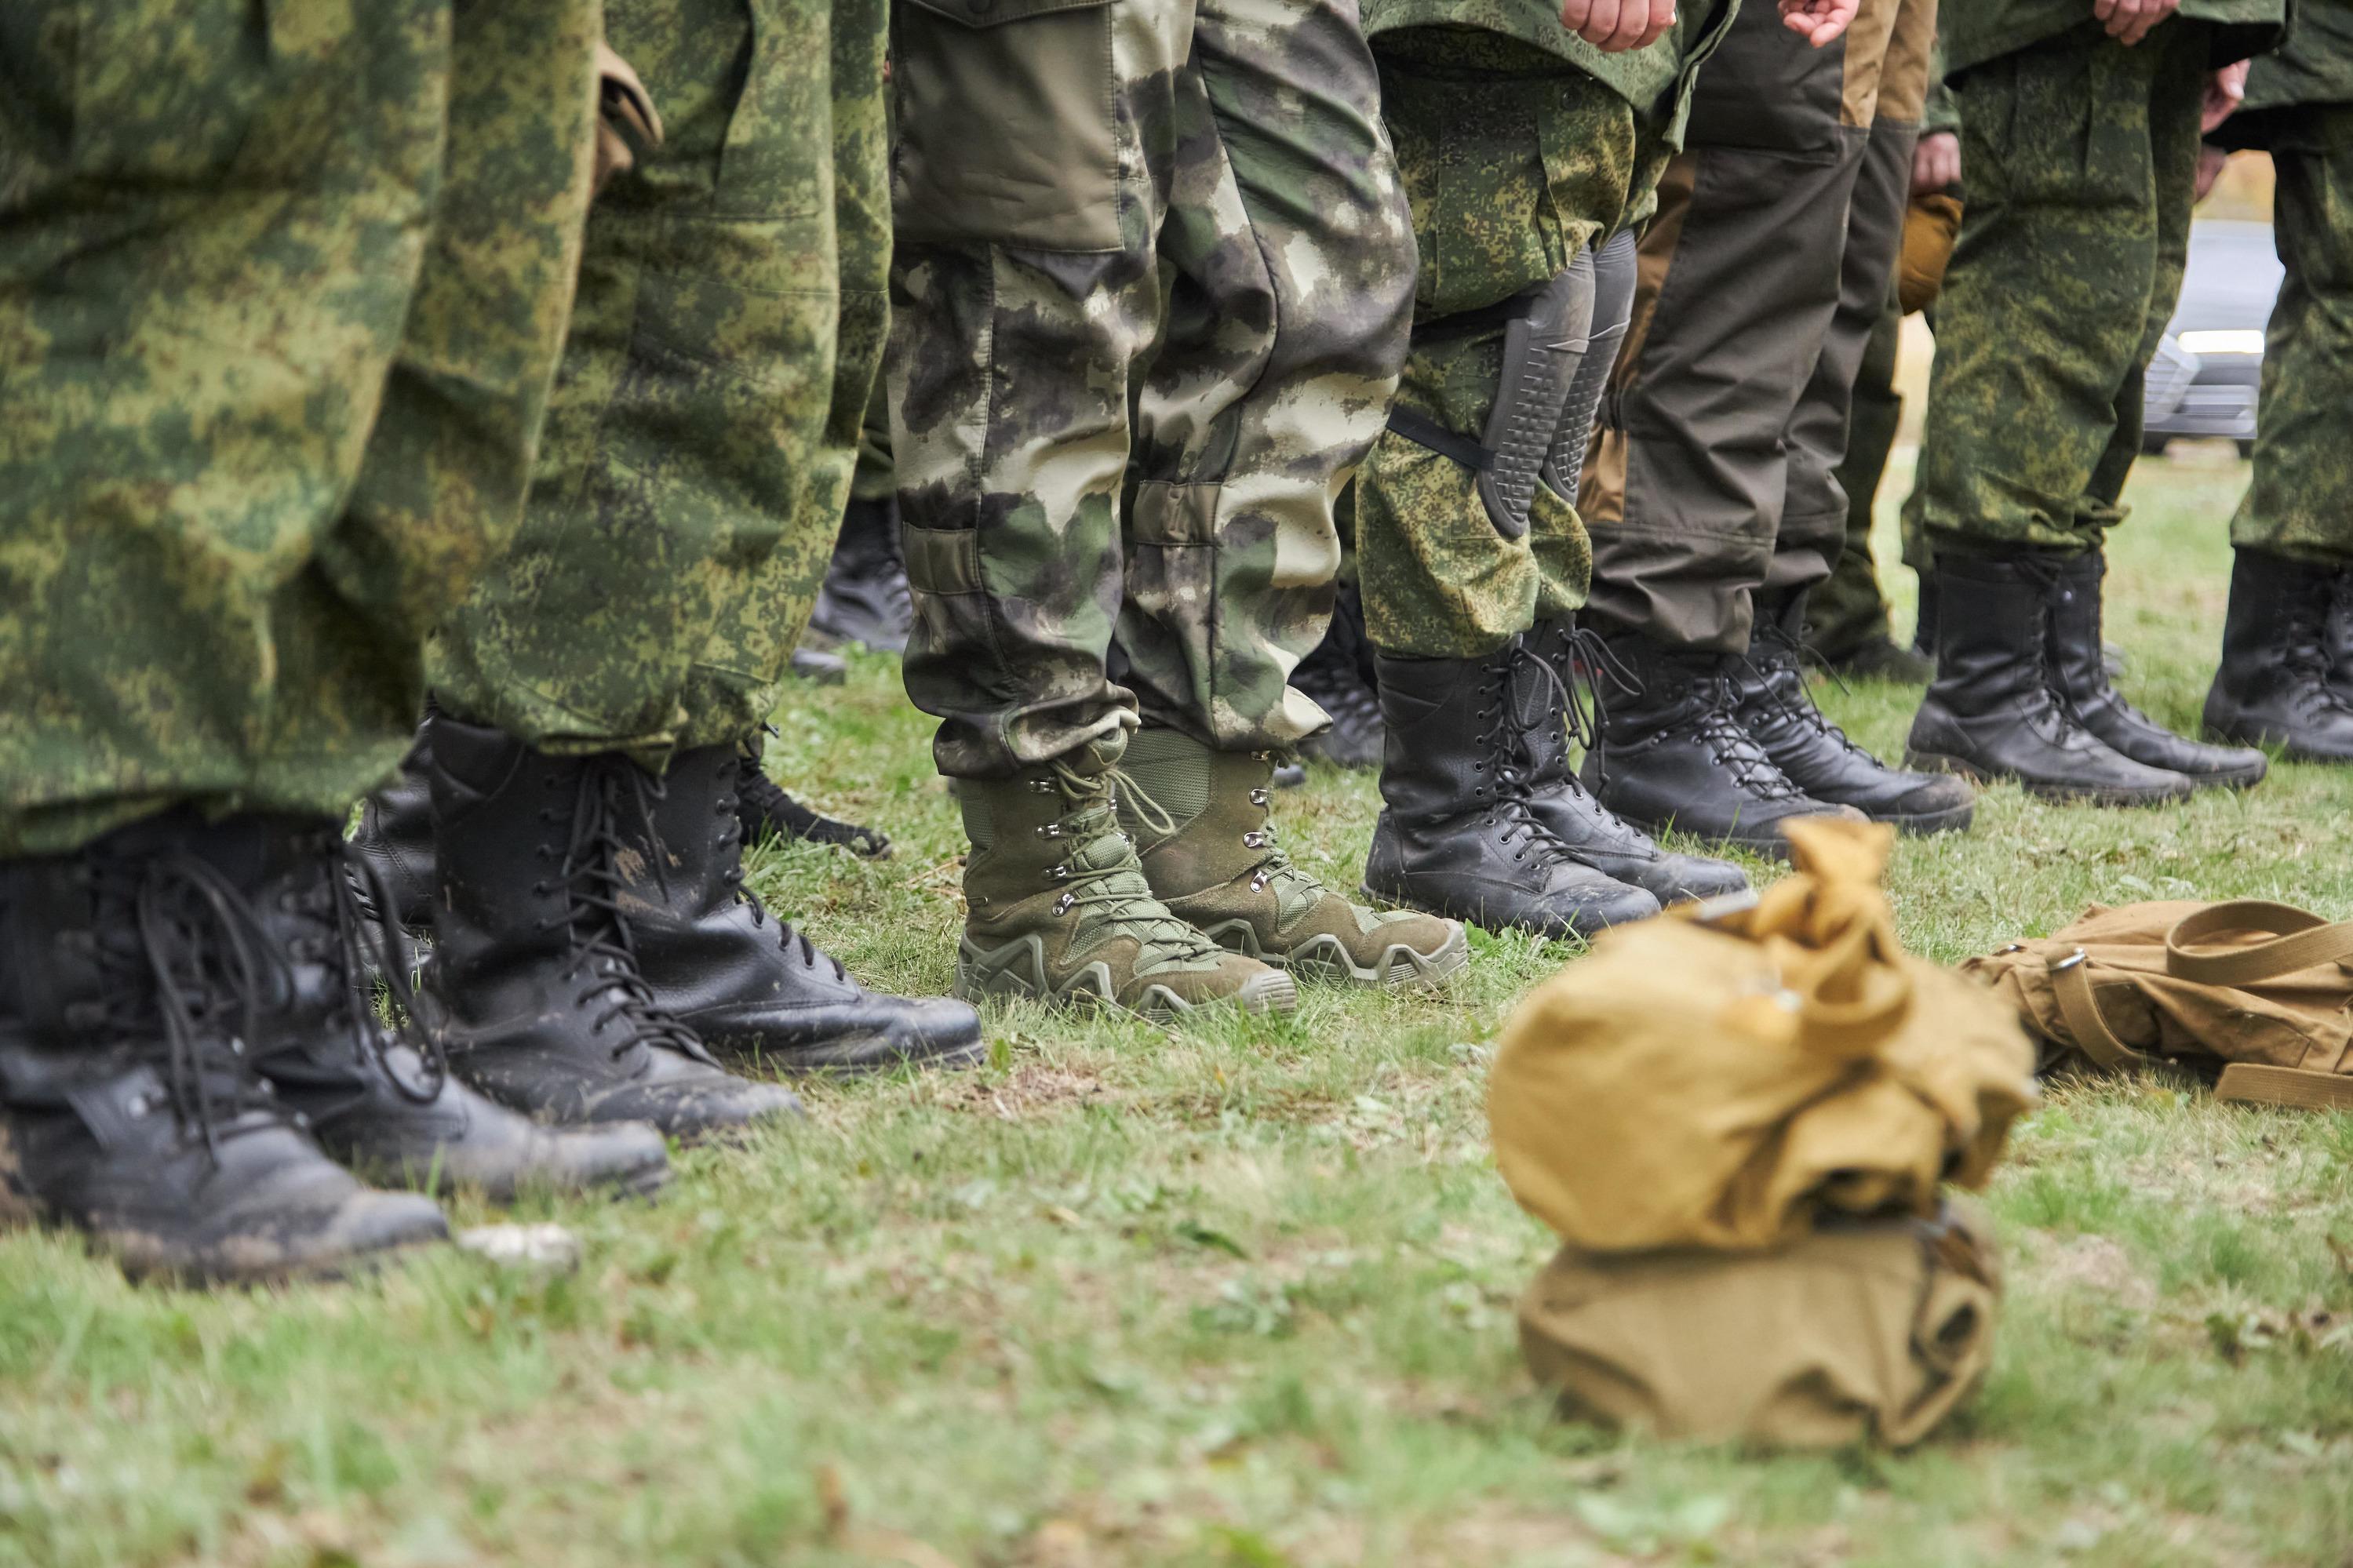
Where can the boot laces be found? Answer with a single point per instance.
(358, 901)
(2304, 639)
(1506, 743)
(1118, 889)
(604, 947)
(1781, 678)
(197, 958)
(770, 802)
(790, 936)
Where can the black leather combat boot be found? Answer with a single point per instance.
(2282, 681)
(1457, 835)
(383, 1100)
(1338, 676)
(864, 598)
(2080, 660)
(767, 811)
(1779, 713)
(746, 981)
(1550, 718)
(1673, 753)
(1995, 710)
(535, 962)
(135, 978)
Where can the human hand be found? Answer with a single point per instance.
(2128, 21)
(1613, 26)
(2225, 91)
(2211, 164)
(1935, 162)
(1819, 22)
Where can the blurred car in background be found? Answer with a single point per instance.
(2206, 373)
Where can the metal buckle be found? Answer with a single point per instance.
(2062, 964)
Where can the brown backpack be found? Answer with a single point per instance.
(2260, 990)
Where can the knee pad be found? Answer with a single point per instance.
(1613, 306)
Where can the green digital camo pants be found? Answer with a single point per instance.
(1150, 298)
(2081, 156)
(282, 290)
(706, 419)
(2301, 503)
(1759, 281)
(1512, 161)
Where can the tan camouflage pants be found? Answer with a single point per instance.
(281, 289)
(706, 421)
(1143, 329)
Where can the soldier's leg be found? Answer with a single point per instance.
(2283, 679)
(220, 259)
(1847, 612)
(1775, 704)
(596, 694)
(1517, 164)
(2080, 154)
(1295, 224)
(1739, 284)
(864, 596)
(1026, 296)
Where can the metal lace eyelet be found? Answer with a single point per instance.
(1063, 905)
(1260, 798)
(1254, 839)
(1041, 787)
(1058, 873)
(236, 1046)
(1050, 830)
(1258, 884)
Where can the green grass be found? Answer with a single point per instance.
(1242, 1294)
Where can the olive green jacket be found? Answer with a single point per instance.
(1976, 31)
(1640, 76)
(2316, 64)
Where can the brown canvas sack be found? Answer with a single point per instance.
(1723, 1080)
(2260, 991)
(1864, 1332)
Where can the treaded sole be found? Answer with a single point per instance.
(1324, 959)
(1272, 992)
(2060, 794)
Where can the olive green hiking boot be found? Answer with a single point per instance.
(1057, 908)
(1209, 854)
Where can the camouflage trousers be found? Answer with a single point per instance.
(281, 292)
(1144, 330)
(2081, 156)
(1514, 161)
(2301, 503)
(706, 419)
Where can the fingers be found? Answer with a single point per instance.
(1662, 16)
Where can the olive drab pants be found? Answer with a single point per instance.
(1760, 280)
(2082, 158)
(281, 292)
(1144, 330)
(706, 422)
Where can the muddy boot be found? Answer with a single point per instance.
(132, 975)
(1780, 714)
(1995, 710)
(394, 843)
(2080, 662)
(1337, 676)
(381, 1100)
(767, 811)
(1545, 703)
(2279, 683)
(1057, 908)
(535, 946)
(747, 983)
(1200, 820)
(864, 598)
(1673, 753)
(1458, 835)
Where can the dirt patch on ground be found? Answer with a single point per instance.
(2093, 1265)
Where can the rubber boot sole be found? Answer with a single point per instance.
(1273, 992)
(1953, 819)
(1326, 959)
(2058, 793)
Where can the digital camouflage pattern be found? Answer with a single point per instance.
(2300, 504)
(706, 419)
(1976, 31)
(2081, 156)
(233, 240)
(1512, 162)
(1128, 383)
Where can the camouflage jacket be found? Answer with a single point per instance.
(2316, 64)
(1976, 31)
(1644, 77)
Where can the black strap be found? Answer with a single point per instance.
(1424, 431)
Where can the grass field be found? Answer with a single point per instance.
(1242, 1295)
